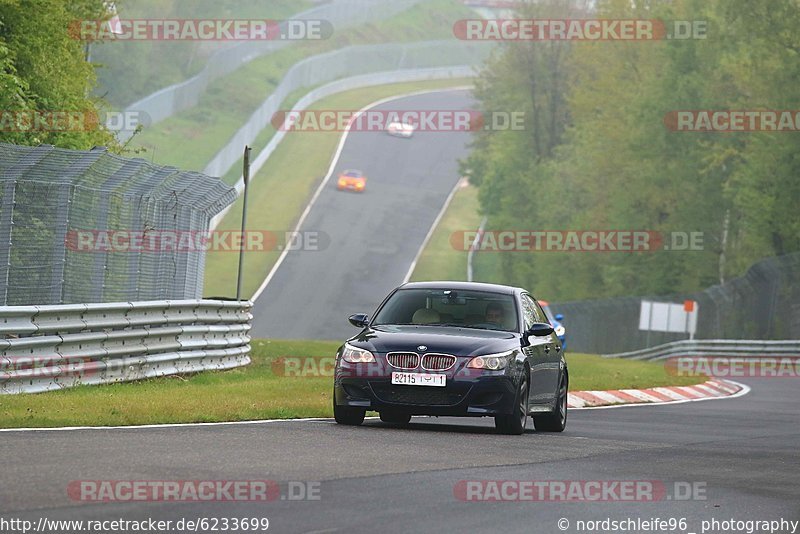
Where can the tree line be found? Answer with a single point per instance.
(45, 80)
(601, 150)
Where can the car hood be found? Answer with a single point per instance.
(448, 340)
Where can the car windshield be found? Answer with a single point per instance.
(353, 174)
(448, 307)
(548, 313)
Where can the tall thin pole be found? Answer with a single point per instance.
(246, 179)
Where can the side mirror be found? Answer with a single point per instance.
(559, 317)
(539, 330)
(360, 320)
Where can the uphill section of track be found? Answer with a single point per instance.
(370, 238)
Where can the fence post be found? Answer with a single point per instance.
(6, 227)
(246, 177)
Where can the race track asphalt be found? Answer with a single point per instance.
(372, 237)
(742, 453)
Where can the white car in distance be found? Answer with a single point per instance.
(400, 129)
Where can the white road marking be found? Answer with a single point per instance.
(573, 401)
(431, 230)
(605, 396)
(710, 391)
(745, 389)
(691, 392)
(672, 394)
(642, 395)
(331, 168)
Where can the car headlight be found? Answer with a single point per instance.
(353, 354)
(491, 362)
(560, 330)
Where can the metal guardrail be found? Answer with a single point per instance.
(392, 62)
(338, 86)
(737, 348)
(471, 253)
(47, 348)
(168, 101)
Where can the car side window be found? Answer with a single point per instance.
(540, 313)
(528, 311)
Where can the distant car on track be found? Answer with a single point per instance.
(400, 129)
(454, 349)
(557, 321)
(352, 180)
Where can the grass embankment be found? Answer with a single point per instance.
(280, 191)
(259, 391)
(444, 259)
(441, 260)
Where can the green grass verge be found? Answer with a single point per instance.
(283, 187)
(256, 392)
(441, 260)
(191, 138)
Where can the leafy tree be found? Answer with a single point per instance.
(596, 153)
(43, 69)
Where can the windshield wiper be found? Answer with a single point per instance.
(491, 329)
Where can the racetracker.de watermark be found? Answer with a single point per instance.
(519, 29)
(733, 366)
(376, 120)
(305, 366)
(578, 490)
(325, 366)
(55, 367)
(193, 490)
(575, 241)
(71, 121)
(186, 241)
(201, 30)
(741, 120)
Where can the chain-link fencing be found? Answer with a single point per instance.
(70, 221)
(764, 303)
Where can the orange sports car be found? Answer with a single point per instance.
(352, 180)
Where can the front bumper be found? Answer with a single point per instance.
(468, 392)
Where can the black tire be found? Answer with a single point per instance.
(346, 415)
(515, 423)
(555, 421)
(397, 418)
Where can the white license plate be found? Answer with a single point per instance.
(418, 379)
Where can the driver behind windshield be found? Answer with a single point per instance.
(495, 314)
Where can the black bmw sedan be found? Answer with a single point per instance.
(454, 349)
